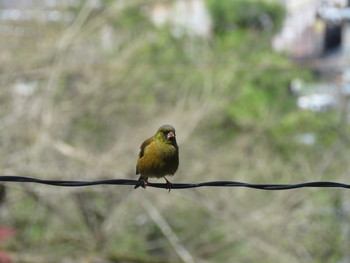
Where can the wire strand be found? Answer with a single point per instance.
(320, 184)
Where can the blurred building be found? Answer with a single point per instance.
(316, 34)
(27, 10)
(316, 29)
(183, 16)
(301, 34)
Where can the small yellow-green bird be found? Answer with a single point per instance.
(159, 156)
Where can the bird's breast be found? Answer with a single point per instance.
(158, 160)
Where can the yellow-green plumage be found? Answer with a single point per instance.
(159, 155)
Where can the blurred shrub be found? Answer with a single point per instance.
(257, 94)
(242, 14)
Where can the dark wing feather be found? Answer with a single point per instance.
(142, 151)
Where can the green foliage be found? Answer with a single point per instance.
(131, 21)
(254, 15)
(257, 92)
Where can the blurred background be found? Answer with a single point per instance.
(258, 92)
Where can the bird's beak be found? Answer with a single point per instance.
(170, 135)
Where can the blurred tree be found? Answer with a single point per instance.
(257, 92)
(256, 15)
(74, 107)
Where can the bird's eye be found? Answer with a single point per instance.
(165, 132)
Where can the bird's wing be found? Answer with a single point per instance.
(144, 145)
(142, 149)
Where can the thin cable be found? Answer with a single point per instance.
(174, 186)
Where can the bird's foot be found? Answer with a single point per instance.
(145, 184)
(169, 184)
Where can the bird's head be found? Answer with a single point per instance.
(166, 133)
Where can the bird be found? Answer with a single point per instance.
(158, 157)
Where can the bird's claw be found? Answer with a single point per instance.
(145, 184)
(169, 184)
(142, 182)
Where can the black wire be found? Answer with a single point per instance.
(174, 186)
